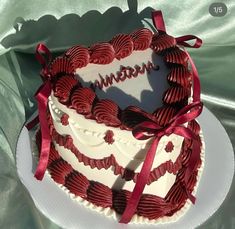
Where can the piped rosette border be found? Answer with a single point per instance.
(84, 100)
(151, 208)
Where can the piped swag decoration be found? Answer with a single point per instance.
(144, 130)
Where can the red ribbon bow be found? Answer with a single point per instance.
(176, 126)
(147, 130)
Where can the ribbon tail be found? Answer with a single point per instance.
(140, 183)
(30, 125)
(42, 98)
(191, 197)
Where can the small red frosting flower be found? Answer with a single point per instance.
(169, 147)
(109, 137)
(64, 119)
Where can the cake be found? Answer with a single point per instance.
(117, 128)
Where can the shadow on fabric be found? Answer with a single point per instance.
(59, 35)
(72, 29)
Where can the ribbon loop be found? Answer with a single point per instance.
(44, 57)
(145, 130)
(182, 41)
(158, 21)
(169, 130)
(187, 113)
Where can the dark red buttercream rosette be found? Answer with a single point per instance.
(63, 87)
(82, 100)
(101, 53)
(180, 75)
(164, 114)
(61, 66)
(141, 39)
(162, 41)
(176, 94)
(107, 112)
(78, 56)
(123, 45)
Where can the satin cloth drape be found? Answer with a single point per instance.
(63, 23)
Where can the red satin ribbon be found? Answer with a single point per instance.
(44, 57)
(148, 130)
(41, 96)
(182, 41)
(153, 130)
(158, 21)
(32, 123)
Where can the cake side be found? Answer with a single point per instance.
(116, 165)
(64, 174)
(89, 136)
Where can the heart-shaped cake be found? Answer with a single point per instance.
(121, 125)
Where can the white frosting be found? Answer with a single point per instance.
(128, 151)
(88, 136)
(108, 178)
(136, 219)
(147, 86)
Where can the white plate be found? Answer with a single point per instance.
(213, 187)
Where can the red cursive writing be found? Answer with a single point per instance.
(124, 73)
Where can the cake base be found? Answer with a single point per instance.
(51, 199)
